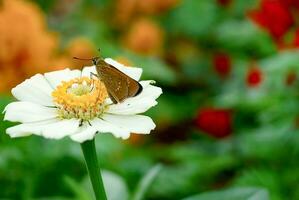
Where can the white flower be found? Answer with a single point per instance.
(69, 103)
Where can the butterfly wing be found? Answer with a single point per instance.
(134, 86)
(119, 85)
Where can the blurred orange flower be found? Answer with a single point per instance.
(155, 6)
(78, 47)
(145, 37)
(125, 10)
(26, 46)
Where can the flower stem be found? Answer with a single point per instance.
(93, 168)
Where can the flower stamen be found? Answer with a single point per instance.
(82, 98)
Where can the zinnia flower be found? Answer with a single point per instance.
(69, 103)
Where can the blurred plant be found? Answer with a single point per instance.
(144, 37)
(215, 122)
(26, 46)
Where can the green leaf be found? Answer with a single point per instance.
(146, 182)
(233, 194)
(115, 186)
(77, 189)
(52, 198)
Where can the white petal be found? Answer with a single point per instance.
(88, 70)
(107, 127)
(36, 90)
(139, 104)
(28, 128)
(134, 123)
(28, 112)
(133, 72)
(56, 77)
(60, 129)
(84, 133)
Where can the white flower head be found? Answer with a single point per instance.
(69, 103)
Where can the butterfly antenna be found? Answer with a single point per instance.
(82, 58)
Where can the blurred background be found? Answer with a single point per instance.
(227, 122)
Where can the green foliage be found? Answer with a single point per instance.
(192, 18)
(233, 194)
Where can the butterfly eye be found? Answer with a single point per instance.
(96, 60)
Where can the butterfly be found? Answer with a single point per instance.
(119, 85)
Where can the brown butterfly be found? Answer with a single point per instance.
(119, 85)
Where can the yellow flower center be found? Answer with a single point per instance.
(82, 98)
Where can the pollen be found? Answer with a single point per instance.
(82, 98)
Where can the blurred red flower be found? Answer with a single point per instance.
(215, 122)
(224, 2)
(254, 77)
(222, 64)
(296, 38)
(274, 16)
(291, 78)
(291, 3)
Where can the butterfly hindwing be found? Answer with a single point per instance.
(134, 87)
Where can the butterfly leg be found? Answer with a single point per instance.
(81, 123)
(112, 99)
(91, 77)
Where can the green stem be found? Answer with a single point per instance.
(93, 168)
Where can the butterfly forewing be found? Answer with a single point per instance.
(119, 85)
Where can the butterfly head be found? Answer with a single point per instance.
(98, 61)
